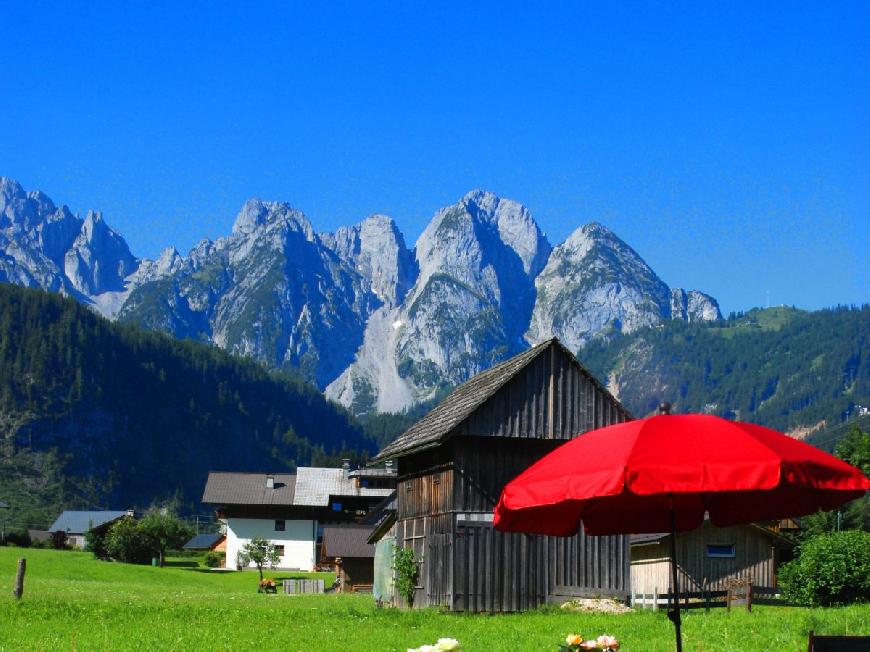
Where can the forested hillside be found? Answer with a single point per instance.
(784, 368)
(95, 414)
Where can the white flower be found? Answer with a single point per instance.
(448, 645)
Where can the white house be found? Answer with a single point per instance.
(290, 510)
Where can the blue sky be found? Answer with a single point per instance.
(726, 142)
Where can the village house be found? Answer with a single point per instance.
(290, 510)
(709, 558)
(452, 466)
(76, 524)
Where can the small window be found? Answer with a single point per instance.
(279, 550)
(336, 507)
(720, 550)
(279, 525)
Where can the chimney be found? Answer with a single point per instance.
(131, 513)
(664, 407)
(389, 466)
(270, 481)
(345, 468)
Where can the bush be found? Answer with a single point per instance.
(95, 542)
(213, 559)
(405, 566)
(126, 542)
(830, 569)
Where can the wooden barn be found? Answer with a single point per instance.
(453, 464)
(709, 557)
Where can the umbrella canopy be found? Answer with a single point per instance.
(634, 477)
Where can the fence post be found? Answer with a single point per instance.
(18, 591)
(656, 599)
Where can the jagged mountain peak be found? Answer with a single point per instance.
(256, 213)
(376, 249)
(10, 187)
(595, 283)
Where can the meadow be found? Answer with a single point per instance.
(73, 602)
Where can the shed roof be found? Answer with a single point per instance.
(81, 522)
(203, 541)
(249, 489)
(39, 535)
(658, 537)
(347, 541)
(465, 399)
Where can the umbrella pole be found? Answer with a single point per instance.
(675, 614)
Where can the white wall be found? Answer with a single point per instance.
(298, 539)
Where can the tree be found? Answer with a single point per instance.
(95, 542)
(126, 542)
(831, 569)
(259, 552)
(854, 448)
(164, 531)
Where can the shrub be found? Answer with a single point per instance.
(213, 559)
(405, 566)
(59, 540)
(126, 542)
(830, 569)
(95, 542)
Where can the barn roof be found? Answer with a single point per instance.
(465, 399)
(347, 541)
(82, 522)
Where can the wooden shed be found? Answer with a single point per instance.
(347, 551)
(453, 464)
(708, 558)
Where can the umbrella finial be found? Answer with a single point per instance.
(664, 407)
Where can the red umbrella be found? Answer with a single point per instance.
(663, 473)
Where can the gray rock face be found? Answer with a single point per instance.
(376, 249)
(42, 245)
(693, 305)
(467, 310)
(271, 291)
(379, 326)
(594, 283)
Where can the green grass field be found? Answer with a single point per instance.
(73, 602)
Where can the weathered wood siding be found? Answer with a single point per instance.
(754, 559)
(552, 398)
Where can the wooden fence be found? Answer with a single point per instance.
(294, 587)
(763, 595)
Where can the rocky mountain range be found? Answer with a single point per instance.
(375, 324)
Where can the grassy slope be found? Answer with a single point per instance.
(74, 602)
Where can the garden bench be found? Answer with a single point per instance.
(838, 643)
